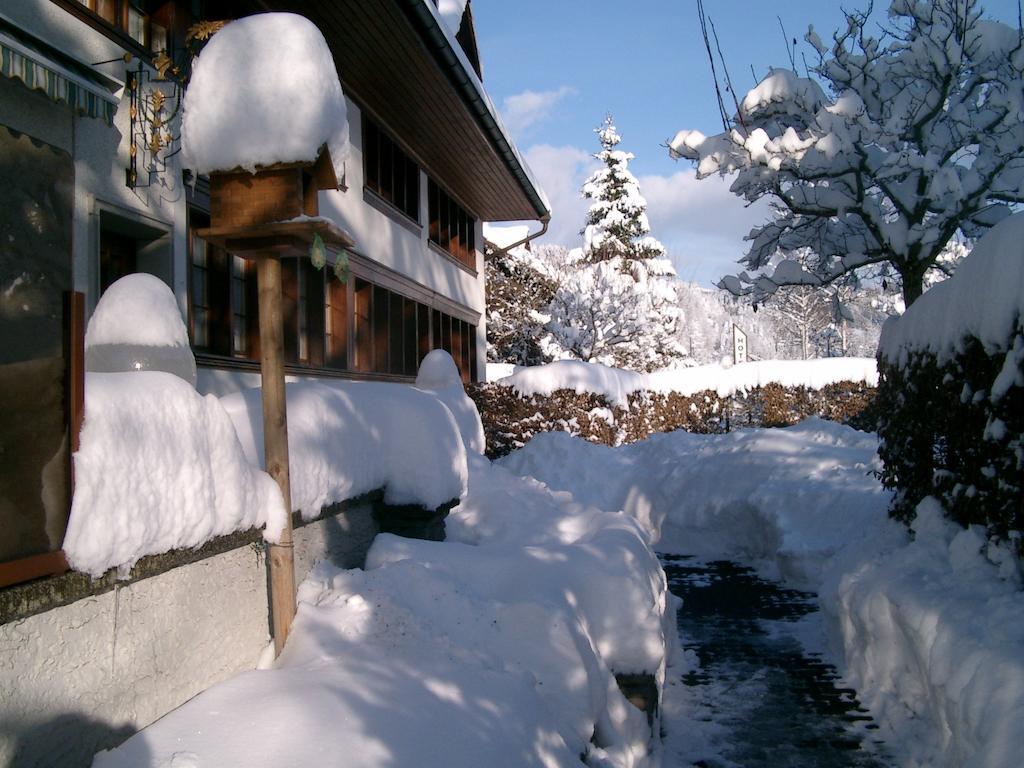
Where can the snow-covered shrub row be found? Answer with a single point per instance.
(499, 648)
(511, 419)
(933, 642)
(617, 384)
(952, 376)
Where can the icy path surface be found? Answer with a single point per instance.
(753, 693)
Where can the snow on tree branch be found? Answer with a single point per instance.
(897, 145)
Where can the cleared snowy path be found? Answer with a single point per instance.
(760, 697)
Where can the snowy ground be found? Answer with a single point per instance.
(929, 631)
(496, 648)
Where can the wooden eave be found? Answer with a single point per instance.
(389, 63)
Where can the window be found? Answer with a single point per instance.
(129, 17)
(359, 325)
(223, 313)
(303, 309)
(389, 172)
(336, 331)
(451, 227)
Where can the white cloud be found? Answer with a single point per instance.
(701, 223)
(561, 172)
(522, 110)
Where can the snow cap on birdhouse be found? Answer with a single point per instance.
(264, 92)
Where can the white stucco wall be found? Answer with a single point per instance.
(87, 675)
(380, 237)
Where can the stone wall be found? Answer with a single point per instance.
(84, 664)
(510, 419)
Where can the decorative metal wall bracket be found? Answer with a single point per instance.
(155, 96)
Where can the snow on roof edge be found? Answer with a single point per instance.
(471, 75)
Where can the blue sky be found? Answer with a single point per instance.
(554, 68)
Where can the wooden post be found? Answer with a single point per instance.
(275, 441)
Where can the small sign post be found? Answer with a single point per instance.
(739, 345)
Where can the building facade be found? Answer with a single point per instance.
(92, 189)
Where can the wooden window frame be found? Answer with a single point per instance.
(390, 174)
(118, 29)
(451, 227)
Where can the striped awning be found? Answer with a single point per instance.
(85, 91)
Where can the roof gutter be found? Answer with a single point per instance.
(493, 251)
(424, 20)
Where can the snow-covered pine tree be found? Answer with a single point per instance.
(617, 303)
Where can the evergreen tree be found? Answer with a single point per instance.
(616, 304)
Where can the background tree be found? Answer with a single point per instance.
(918, 138)
(616, 301)
(799, 315)
(518, 292)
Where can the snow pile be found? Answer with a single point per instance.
(346, 438)
(159, 468)
(934, 645)
(439, 375)
(614, 383)
(785, 498)
(264, 90)
(495, 652)
(617, 385)
(950, 312)
(137, 326)
(931, 629)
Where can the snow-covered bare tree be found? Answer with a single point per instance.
(799, 313)
(518, 292)
(918, 137)
(616, 302)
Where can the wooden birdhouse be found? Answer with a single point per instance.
(274, 210)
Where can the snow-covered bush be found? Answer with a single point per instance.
(952, 376)
(614, 407)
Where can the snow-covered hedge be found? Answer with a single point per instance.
(952, 377)
(511, 418)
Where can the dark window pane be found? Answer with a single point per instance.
(387, 169)
(433, 211)
(473, 373)
(423, 329)
(412, 182)
(396, 327)
(409, 338)
(435, 339)
(380, 329)
(337, 324)
(315, 311)
(371, 152)
(456, 344)
(290, 308)
(446, 333)
(364, 328)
